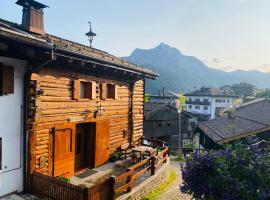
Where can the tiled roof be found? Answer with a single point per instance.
(13, 31)
(151, 107)
(207, 91)
(250, 118)
(167, 94)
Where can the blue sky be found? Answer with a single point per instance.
(225, 34)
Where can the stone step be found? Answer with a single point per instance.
(12, 197)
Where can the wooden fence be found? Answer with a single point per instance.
(125, 182)
(50, 188)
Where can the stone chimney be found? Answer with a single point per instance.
(32, 19)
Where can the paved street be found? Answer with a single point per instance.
(172, 192)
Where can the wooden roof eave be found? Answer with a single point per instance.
(85, 58)
(24, 39)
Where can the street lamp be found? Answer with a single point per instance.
(90, 34)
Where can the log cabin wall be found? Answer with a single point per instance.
(51, 104)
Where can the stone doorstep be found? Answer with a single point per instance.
(19, 197)
(140, 188)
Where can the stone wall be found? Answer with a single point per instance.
(148, 185)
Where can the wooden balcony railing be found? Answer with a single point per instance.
(125, 182)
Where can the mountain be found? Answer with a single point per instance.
(181, 73)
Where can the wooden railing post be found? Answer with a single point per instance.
(153, 163)
(112, 184)
(86, 193)
(129, 179)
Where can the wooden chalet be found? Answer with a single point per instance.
(81, 105)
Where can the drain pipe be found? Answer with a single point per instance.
(27, 77)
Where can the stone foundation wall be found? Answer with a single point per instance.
(148, 185)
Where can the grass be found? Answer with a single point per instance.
(160, 189)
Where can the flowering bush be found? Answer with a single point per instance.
(238, 172)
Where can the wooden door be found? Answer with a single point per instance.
(63, 153)
(80, 147)
(102, 142)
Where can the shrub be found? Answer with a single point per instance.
(237, 172)
(64, 179)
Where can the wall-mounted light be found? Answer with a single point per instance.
(100, 110)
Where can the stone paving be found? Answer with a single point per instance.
(19, 197)
(172, 192)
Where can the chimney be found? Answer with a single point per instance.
(32, 19)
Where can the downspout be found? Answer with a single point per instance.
(27, 77)
(130, 112)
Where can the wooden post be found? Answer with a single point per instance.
(129, 179)
(153, 163)
(112, 184)
(86, 193)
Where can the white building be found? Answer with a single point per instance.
(207, 103)
(11, 124)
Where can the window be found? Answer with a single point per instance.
(110, 91)
(228, 100)
(205, 100)
(197, 107)
(86, 90)
(198, 100)
(205, 107)
(168, 124)
(190, 106)
(6, 80)
(218, 100)
(223, 100)
(159, 125)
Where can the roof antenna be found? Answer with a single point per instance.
(90, 34)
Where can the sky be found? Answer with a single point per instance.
(224, 34)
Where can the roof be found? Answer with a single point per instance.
(207, 91)
(244, 120)
(62, 46)
(167, 94)
(150, 107)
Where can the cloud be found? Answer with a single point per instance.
(241, 1)
(216, 61)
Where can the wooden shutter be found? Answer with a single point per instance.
(76, 89)
(116, 91)
(88, 90)
(63, 153)
(102, 143)
(6, 79)
(103, 90)
(94, 90)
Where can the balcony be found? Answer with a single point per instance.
(198, 102)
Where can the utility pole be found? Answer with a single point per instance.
(179, 130)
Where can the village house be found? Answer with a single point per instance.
(207, 103)
(165, 97)
(162, 121)
(65, 107)
(249, 119)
